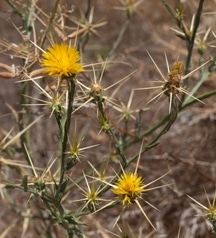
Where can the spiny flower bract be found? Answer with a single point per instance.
(210, 208)
(61, 60)
(173, 84)
(130, 186)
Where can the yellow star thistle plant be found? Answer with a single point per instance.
(61, 60)
(130, 186)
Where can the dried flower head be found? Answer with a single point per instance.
(174, 80)
(173, 84)
(130, 186)
(61, 60)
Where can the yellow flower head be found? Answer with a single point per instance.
(61, 60)
(130, 186)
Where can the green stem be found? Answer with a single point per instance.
(65, 126)
(153, 142)
(23, 121)
(169, 8)
(149, 131)
(25, 13)
(191, 40)
(109, 131)
(119, 38)
(88, 9)
(15, 8)
(54, 10)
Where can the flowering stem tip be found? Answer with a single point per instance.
(61, 60)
